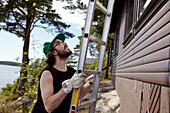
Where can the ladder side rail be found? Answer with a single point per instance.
(95, 93)
(106, 28)
(83, 52)
(105, 34)
(86, 35)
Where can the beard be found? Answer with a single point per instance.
(64, 54)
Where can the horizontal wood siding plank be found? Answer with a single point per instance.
(163, 10)
(162, 66)
(163, 43)
(153, 38)
(162, 54)
(129, 47)
(158, 78)
(156, 36)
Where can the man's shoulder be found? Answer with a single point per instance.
(71, 68)
(48, 70)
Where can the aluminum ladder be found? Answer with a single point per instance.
(83, 51)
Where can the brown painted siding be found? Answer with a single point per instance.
(148, 52)
(143, 35)
(142, 67)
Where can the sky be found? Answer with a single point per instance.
(11, 46)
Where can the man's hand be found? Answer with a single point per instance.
(76, 81)
(67, 86)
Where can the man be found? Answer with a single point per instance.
(57, 80)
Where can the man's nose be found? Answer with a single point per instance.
(65, 44)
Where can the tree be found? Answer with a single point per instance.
(72, 60)
(20, 17)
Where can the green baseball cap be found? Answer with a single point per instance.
(47, 45)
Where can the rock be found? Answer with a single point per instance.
(104, 89)
(101, 107)
(114, 103)
(117, 110)
(108, 102)
(109, 95)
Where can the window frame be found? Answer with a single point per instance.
(146, 15)
(128, 36)
(117, 39)
(140, 21)
(138, 13)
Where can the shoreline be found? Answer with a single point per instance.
(9, 63)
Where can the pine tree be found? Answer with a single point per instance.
(20, 17)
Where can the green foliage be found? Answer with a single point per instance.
(91, 66)
(78, 5)
(72, 60)
(7, 95)
(10, 93)
(21, 16)
(9, 89)
(31, 86)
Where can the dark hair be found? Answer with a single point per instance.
(50, 57)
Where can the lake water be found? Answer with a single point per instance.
(8, 74)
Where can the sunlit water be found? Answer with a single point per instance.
(8, 74)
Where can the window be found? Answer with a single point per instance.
(117, 42)
(142, 6)
(117, 36)
(137, 14)
(146, 9)
(129, 16)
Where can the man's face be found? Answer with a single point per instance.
(62, 49)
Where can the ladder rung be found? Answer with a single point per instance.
(89, 72)
(86, 103)
(102, 8)
(92, 38)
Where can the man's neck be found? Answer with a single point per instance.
(60, 64)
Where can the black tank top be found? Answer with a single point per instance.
(58, 78)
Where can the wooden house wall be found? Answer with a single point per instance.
(145, 61)
(147, 57)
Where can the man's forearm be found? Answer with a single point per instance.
(86, 88)
(54, 101)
